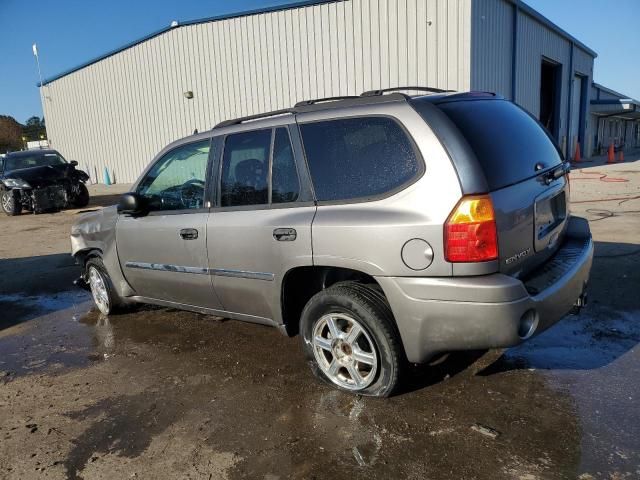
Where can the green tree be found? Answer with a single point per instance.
(35, 129)
(10, 134)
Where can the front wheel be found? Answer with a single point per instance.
(81, 198)
(11, 204)
(104, 294)
(351, 341)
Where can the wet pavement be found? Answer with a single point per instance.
(160, 393)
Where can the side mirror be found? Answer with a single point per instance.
(131, 203)
(73, 163)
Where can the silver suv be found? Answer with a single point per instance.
(384, 229)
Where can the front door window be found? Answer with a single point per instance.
(177, 180)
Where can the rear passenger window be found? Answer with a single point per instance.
(245, 168)
(285, 186)
(358, 157)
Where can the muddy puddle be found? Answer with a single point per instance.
(560, 405)
(237, 400)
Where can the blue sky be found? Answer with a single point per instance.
(69, 32)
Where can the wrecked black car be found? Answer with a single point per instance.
(40, 180)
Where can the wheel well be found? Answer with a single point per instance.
(302, 283)
(84, 256)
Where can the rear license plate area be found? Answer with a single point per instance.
(550, 215)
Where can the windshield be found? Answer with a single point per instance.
(32, 160)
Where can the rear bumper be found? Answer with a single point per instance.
(443, 314)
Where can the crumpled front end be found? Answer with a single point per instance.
(53, 197)
(94, 231)
(94, 234)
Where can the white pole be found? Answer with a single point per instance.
(35, 54)
(34, 47)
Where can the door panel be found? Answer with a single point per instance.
(248, 263)
(158, 263)
(252, 244)
(163, 255)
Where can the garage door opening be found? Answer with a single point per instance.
(550, 78)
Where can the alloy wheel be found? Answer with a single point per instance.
(344, 351)
(99, 291)
(7, 201)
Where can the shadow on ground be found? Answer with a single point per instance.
(32, 286)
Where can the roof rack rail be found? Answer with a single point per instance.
(311, 105)
(305, 103)
(374, 93)
(235, 121)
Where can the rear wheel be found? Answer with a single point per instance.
(11, 204)
(104, 294)
(350, 339)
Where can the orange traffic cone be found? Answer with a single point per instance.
(621, 156)
(576, 156)
(611, 157)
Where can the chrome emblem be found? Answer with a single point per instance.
(518, 256)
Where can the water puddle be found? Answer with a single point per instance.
(43, 331)
(594, 357)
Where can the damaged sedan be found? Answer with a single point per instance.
(40, 180)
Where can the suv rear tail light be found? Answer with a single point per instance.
(470, 231)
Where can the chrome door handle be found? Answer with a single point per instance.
(285, 234)
(189, 233)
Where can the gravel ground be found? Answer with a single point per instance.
(159, 393)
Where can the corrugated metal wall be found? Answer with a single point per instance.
(492, 46)
(120, 111)
(492, 60)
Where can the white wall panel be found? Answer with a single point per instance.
(120, 111)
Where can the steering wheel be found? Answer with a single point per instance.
(192, 193)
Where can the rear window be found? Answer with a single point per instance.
(507, 141)
(361, 157)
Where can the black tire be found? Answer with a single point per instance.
(82, 199)
(10, 200)
(114, 302)
(369, 308)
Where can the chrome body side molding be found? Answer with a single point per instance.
(221, 272)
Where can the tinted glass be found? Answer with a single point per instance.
(33, 160)
(245, 168)
(285, 186)
(177, 180)
(507, 141)
(358, 157)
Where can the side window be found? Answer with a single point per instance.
(245, 168)
(177, 180)
(285, 185)
(358, 157)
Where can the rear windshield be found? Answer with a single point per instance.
(507, 141)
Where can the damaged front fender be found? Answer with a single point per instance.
(94, 231)
(94, 234)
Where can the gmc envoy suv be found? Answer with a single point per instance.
(383, 229)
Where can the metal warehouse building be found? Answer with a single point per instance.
(118, 110)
